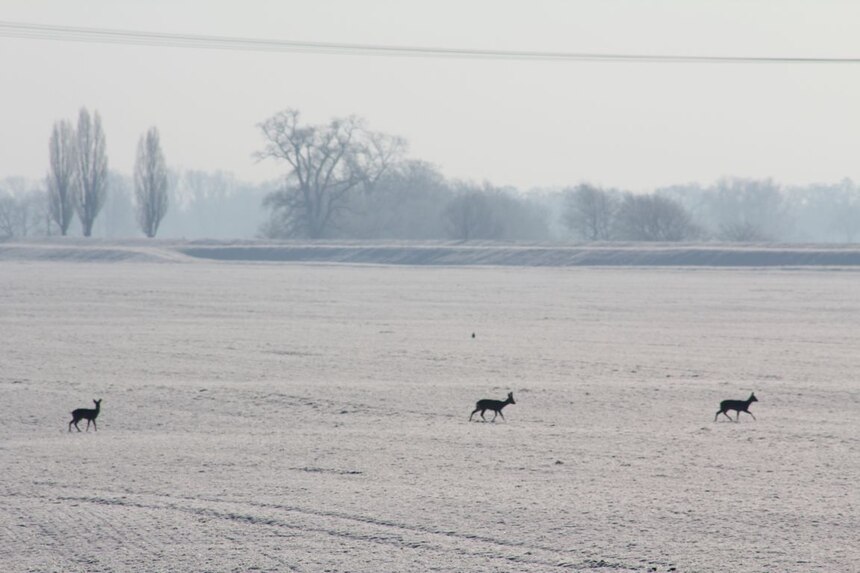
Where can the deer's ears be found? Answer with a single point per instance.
(510, 394)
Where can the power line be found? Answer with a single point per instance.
(159, 39)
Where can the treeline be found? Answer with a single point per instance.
(202, 205)
(414, 201)
(730, 210)
(344, 181)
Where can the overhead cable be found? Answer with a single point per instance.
(172, 40)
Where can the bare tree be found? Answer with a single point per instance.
(589, 212)
(150, 182)
(8, 215)
(494, 213)
(10, 207)
(406, 203)
(92, 169)
(825, 212)
(846, 220)
(653, 218)
(470, 215)
(742, 232)
(118, 214)
(748, 210)
(22, 208)
(327, 163)
(62, 174)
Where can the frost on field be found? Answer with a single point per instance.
(309, 417)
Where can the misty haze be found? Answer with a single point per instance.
(374, 286)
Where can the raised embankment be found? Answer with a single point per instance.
(448, 254)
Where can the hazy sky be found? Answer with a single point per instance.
(522, 123)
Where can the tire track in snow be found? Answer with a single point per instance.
(336, 406)
(95, 535)
(355, 528)
(563, 554)
(391, 534)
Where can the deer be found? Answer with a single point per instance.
(86, 414)
(494, 405)
(736, 405)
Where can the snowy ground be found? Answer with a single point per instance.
(272, 417)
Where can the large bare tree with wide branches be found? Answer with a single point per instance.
(327, 163)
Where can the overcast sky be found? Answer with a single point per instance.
(522, 123)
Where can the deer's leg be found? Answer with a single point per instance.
(95, 428)
(502, 415)
(473, 413)
(482, 415)
(748, 412)
(70, 425)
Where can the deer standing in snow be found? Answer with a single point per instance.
(87, 414)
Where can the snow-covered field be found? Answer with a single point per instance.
(305, 417)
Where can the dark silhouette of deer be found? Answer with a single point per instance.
(86, 414)
(494, 405)
(736, 405)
